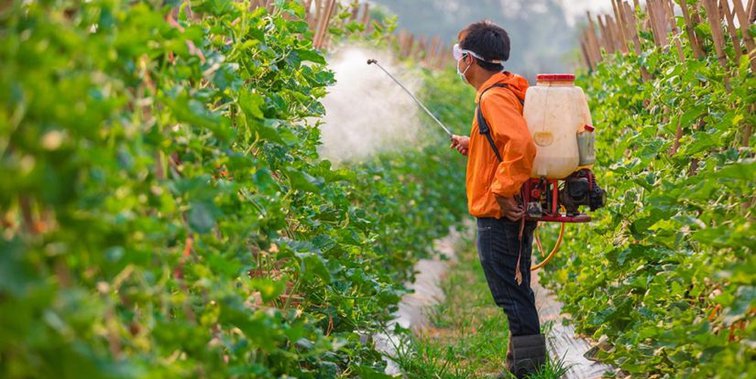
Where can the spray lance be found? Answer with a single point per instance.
(448, 132)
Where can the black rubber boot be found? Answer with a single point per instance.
(528, 354)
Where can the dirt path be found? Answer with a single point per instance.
(415, 306)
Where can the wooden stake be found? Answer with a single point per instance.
(616, 33)
(690, 30)
(633, 25)
(586, 57)
(325, 19)
(318, 16)
(652, 21)
(712, 14)
(669, 9)
(606, 35)
(593, 39)
(729, 16)
(656, 10)
(623, 34)
(744, 25)
(366, 15)
(632, 22)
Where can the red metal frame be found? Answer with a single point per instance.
(546, 192)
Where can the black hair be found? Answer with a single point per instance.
(488, 40)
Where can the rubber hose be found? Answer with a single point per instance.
(553, 251)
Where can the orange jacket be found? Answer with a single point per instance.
(486, 177)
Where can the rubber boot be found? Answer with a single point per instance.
(528, 354)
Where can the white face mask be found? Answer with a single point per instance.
(462, 73)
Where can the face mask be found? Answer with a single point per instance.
(462, 73)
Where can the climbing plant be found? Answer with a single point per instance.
(666, 271)
(165, 212)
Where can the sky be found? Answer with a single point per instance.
(575, 9)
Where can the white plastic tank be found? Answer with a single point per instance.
(556, 111)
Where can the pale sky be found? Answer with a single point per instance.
(575, 9)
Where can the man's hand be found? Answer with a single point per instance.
(510, 208)
(461, 144)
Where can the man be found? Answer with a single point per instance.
(493, 185)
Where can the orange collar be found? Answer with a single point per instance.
(495, 78)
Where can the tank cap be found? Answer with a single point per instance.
(555, 77)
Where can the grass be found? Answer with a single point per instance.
(468, 334)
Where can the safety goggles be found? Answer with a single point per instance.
(459, 52)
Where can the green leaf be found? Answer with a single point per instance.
(201, 217)
(251, 104)
(269, 289)
(310, 55)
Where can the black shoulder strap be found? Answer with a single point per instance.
(483, 125)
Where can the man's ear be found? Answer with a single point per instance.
(469, 59)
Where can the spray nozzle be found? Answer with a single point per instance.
(371, 61)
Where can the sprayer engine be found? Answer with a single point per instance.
(545, 198)
(581, 188)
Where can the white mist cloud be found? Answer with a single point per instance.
(366, 112)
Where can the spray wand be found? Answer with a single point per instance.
(375, 62)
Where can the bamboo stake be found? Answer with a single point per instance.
(588, 49)
(410, 45)
(616, 33)
(586, 57)
(712, 14)
(744, 25)
(366, 16)
(696, 13)
(318, 20)
(593, 39)
(729, 16)
(691, 31)
(660, 21)
(633, 27)
(606, 35)
(669, 9)
(632, 22)
(323, 23)
(333, 11)
(652, 22)
(318, 16)
(422, 49)
(621, 26)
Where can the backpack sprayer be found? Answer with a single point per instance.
(559, 121)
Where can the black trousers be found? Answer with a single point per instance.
(498, 247)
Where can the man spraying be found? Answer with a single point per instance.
(500, 155)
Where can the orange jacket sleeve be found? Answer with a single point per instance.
(503, 112)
